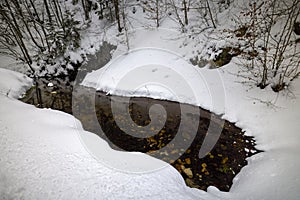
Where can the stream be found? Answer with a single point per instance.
(217, 168)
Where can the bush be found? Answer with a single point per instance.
(272, 55)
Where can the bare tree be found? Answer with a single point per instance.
(206, 13)
(155, 9)
(125, 23)
(85, 6)
(273, 53)
(117, 14)
(210, 14)
(40, 37)
(185, 10)
(15, 33)
(176, 8)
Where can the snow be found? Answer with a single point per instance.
(45, 154)
(42, 157)
(7, 62)
(161, 74)
(12, 83)
(271, 117)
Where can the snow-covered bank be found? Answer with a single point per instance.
(10, 63)
(161, 74)
(42, 157)
(271, 117)
(13, 84)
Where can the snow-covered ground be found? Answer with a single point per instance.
(42, 157)
(151, 69)
(271, 117)
(43, 154)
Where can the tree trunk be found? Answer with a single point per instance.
(125, 26)
(157, 13)
(117, 13)
(85, 9)
(47, 11)
(210, 14)
(185, 8)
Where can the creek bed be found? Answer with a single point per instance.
(94, 110)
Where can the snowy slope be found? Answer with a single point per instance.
(13, 83)
(274, 121)
(271, 117)
(159, 73)
(42, 157)
(10, 63)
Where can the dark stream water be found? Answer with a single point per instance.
(94, 110)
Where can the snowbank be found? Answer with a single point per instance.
(42, 157)
(161, 74)
(271, 117)
(13, 84)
